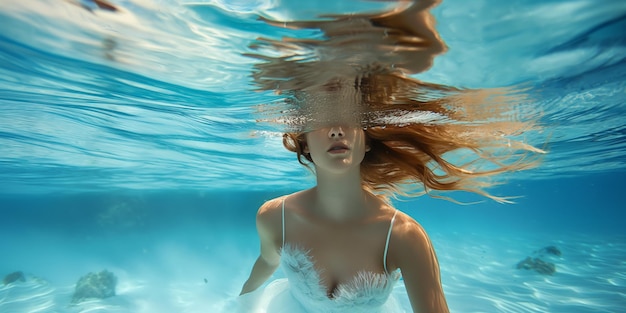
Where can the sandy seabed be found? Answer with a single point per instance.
(194, 270)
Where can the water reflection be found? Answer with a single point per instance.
(361, 71)
(92, 5)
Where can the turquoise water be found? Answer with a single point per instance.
(129, 142)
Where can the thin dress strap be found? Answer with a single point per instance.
(284, 221)
(387, 242)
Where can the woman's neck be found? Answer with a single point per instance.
(340, 197)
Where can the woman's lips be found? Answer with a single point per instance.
(338, 149)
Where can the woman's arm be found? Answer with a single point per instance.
(416, 259)
(268, 260)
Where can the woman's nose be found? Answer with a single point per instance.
(335, 132)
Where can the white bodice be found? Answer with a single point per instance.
(366, 292)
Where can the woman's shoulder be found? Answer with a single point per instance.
(409, 242)
(271, 206)
(271, 210)
(269, 218)
(408, 232)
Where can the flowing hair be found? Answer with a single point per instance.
(425, 138)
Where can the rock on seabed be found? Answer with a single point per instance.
(13, 277)
(95, 286)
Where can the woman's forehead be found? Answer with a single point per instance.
(341, 105)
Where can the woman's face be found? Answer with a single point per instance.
(336, 148)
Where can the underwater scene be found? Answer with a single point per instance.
(138, 139)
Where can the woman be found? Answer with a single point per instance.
(341, 244)
(370, 132)
(353, 239)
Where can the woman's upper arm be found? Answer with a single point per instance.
(268, 223)
(416, 259)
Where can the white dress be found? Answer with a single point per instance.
(302, 290)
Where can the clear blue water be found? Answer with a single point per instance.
(129, 141)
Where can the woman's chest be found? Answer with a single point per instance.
(311, 281)
(338, 254)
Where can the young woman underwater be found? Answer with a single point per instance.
(341, 244)
(369, 132)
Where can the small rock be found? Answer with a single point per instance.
(13, 277)
(537, 264)
(543, 267)
(95, 286)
